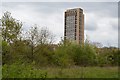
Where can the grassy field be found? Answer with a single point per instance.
(82, 72)
(56, 72)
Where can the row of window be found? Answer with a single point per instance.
(73, 36)
(74, 11)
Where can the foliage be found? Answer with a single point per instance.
(21, 51)
(115, 58)
(108, 57)
(28, 71)
(10, 27)
(90, 53)
(17, 70)
(43, 55)
(6, 56)
(62, 57)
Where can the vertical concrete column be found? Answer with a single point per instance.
(77, 27)
(82, 28)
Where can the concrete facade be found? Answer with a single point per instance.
(74, 25)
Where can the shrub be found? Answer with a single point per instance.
(22, 71)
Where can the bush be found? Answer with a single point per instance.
(22, 71)
(6, 55)
(43, 55)
(62, 56)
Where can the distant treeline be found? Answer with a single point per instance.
(36, 47)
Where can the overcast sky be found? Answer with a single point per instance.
(60, 0)
(101, 18)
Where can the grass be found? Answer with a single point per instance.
(83, 72)
(16, 71)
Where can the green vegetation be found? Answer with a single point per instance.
(14, 71)
(35, 56)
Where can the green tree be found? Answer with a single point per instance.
(10, 27)
(21, 50)
(64, 53)
(89, 55)
(6, 55)
(116, 57)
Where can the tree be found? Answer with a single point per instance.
(6, 55)
(42, 36)
(89, 54)
(116, 57)
(39, 39)
(10, 27)
(62, 56)
(44, 49)
(45, 36)
(33, 37)
(21, 50)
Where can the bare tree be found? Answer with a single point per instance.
(97, 44)
(45, 36)
(39, 37)
(32, 37)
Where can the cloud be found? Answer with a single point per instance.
(90, 21)
(114, 23)
(105, 33)
(61, 1)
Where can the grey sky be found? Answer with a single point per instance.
(101, 18)
(60, 0)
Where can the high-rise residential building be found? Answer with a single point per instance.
(74, 25)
